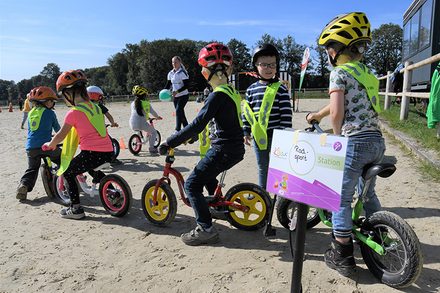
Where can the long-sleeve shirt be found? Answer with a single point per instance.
(281, 112)
(43, 134)
(229, 134)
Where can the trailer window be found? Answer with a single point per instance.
(425, 24)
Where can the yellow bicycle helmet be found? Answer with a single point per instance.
(139, 90)
(346, 29)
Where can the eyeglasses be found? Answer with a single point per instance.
(267, 65)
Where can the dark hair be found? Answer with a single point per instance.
(138, 104)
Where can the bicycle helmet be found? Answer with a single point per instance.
(139, 90)
(95, 93)
(42, 94)
(70, 78)
(346, 29)
(213, 54)
(265, 50)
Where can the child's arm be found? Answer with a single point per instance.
(319, 115)
(111, 120)
(59, 136)
(154, 113)
(337, 110)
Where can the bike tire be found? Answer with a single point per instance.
(116, 148)
(286, 209)
(392, 233)
(47, 178)
(254, 197)
(60, 196)
(115, 195)
(158, 139)
(135, 144)
(164, 211)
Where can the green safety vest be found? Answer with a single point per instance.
(365, 77)
(94, 115)
(34, 117)
(204, 140)
(259, 126)
(146, 107)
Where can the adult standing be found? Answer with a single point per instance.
(178, 81)
(25, 110)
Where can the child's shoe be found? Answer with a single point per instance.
(21, 192)
(72, 213)
(199, 236)
(340, 257)
(153, 151)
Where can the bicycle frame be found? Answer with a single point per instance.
(218, 198)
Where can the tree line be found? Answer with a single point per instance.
(148, 62)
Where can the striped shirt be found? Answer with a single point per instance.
(281, 112)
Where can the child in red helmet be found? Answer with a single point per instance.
(97, 95)
(83, 124)
(41, 121)
(227, 148)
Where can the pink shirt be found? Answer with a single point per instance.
(89, 138)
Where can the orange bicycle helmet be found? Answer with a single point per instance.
(42, 94)
(69, 78)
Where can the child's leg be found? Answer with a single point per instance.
(153, 134)
(31, 174)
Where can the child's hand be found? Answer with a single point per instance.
(247, 140)
(47, 147)
(163, 148)
(159, 118)
(114, 124)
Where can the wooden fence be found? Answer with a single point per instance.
(406, 89)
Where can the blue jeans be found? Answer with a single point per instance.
(361, 151)
(263, 162)
(204, 174)
(179, 105)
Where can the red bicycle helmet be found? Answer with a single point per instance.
(213, 54)
(69, 78)
(42, 94)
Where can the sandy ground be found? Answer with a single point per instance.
(40, 252)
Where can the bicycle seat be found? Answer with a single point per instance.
(103, 166)
(382, 170)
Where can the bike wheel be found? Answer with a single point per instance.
(61, 193)
(116, 149)
(164, 211)
(47, 178)
(158, 139)
(253, 197)
(286, 212)
(402, 262)
(115, 195)
(135, 144)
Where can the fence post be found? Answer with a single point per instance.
(407, 76)
(387, 90)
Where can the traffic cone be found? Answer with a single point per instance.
(122, 144)
(10, 107)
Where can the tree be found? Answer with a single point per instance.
(291, 55)
(321, 69)
(242, 57)
(49, 75)
(385, 50)
(118, 73)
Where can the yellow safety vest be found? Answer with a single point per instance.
(70, 143)
(146, 107)
(205, 141)
(34, 117)
(365, 77)
(259, 126)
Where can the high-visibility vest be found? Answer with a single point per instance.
(259, 126)
(95, 116)
(204, 140)
(146, 107)
(365, 77)
(34, 117)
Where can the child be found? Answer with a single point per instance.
(353, 111)
(42, 119)
(267, 107)
(96, 95)
(227, 148)
(26, 110)
(83, 124)
(140, 113)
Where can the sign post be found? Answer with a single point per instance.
(307, 168)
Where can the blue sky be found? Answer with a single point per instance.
(82, 34)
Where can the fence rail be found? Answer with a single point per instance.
(406, 90)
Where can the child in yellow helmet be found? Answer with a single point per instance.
(353, 112)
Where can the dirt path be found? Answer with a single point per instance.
(40, 252)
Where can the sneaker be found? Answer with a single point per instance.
(200, 236)
(340, 257)
(72, 213)
(21, 192)
(153, 151)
